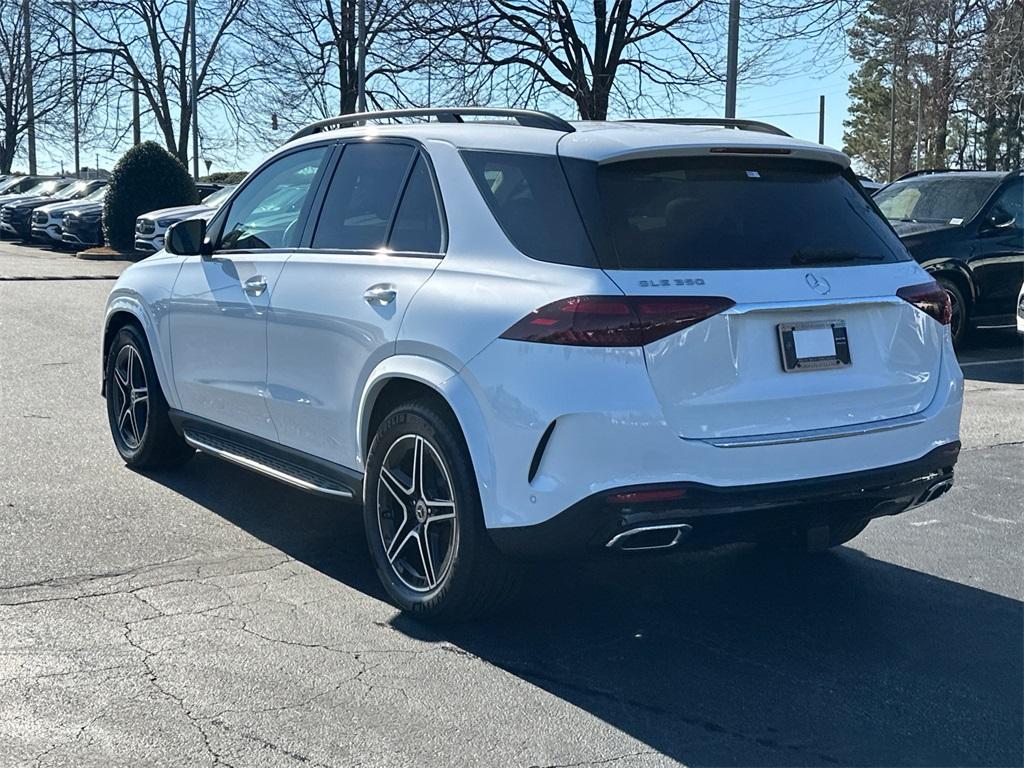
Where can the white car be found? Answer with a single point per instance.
(151, 227)
(48, 220)
(547, 338)
(1020, 311)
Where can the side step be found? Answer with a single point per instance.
(272, 466)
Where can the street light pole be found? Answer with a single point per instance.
(74, 86)
(195, 90)
(732, 62)
(361, 57)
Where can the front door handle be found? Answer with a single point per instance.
(381, 295)
(255, 286)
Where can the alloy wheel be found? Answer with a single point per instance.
(131, 396)
(956, 315)
(416, 513)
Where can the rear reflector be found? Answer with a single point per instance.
(930, 298)
(614, 321)
(652, 494)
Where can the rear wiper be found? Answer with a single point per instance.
(833, 257)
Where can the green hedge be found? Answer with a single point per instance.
(146, 178)
(225, 177)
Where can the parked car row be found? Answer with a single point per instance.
(68, 212)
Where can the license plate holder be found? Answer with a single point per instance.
(814, 346)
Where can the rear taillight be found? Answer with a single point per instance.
(930, 298)
(614, 321)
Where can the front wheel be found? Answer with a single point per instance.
(136, 408)
(423, 519)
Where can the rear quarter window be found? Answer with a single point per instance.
(739, 213)
(531, 201)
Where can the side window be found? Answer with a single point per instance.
(362, 196)
(417, 224)
(266, 212)
(1010, 204)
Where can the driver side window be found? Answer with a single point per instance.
(265, 214)
(1010, 205)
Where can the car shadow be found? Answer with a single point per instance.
(729, 657)
(993, 356)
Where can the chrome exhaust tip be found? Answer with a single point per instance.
(936, 490)
(649, 537)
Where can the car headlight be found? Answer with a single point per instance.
(166, 222)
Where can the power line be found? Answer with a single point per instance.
(783, 114)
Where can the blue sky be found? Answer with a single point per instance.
(790, 102)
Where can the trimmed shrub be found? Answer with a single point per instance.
(225, 177)
(146, 178)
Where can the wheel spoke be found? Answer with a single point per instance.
(417, 467)
(393, 551)
(121, 378)
(399, 491)
(428, 564)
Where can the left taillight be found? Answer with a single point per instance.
(930, 298)
(614, 321)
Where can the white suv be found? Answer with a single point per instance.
(545, 338)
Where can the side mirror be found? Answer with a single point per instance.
(188, 238)
(999, 219)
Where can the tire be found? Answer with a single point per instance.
(802, 542)
(138, 416)
(459, 574)
(960, 324)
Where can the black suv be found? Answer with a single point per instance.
(967, 229)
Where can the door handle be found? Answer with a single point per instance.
(255, 286)
(381, 295)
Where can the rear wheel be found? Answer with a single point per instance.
(136, 408)
(424, 524)
(960, 319)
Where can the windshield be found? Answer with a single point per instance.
(96, 195)
(740, 213)
(936, 199)
(217, 198)
(76, 190)
(8, 183)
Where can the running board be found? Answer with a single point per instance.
(272, 466)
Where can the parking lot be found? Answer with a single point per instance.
(209, 616)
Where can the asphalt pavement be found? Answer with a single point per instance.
(209, 616)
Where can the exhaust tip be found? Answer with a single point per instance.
(936, 490)
(649, 537)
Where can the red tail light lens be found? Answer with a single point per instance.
(614, 321)
(930, 298)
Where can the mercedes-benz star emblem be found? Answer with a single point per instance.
(819, 284)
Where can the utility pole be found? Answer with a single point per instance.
(821, 119)
(136, 113)
(30, 107)
(195, 91)
(917, 146)
(361, 58)
(732, 61)
(892, 116)
(74, 86)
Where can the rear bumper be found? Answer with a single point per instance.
(711, 515)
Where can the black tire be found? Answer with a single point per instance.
(804, 542)
(141, 428)
(473, 577)
(960, 325)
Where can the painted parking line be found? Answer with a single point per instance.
(17, 278)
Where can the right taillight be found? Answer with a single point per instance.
(930, 298)
(614, 321)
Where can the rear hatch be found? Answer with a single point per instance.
(816, 338)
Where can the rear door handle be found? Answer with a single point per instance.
(380, 295)
(255, 285)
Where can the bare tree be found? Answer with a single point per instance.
(147, 42)
(48, 71)
(635, 55)
(308, 51)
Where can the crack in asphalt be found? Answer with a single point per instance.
(604, 761)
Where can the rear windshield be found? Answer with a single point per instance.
(739, 213)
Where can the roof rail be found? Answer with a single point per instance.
(722, 122)
(527, 118)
